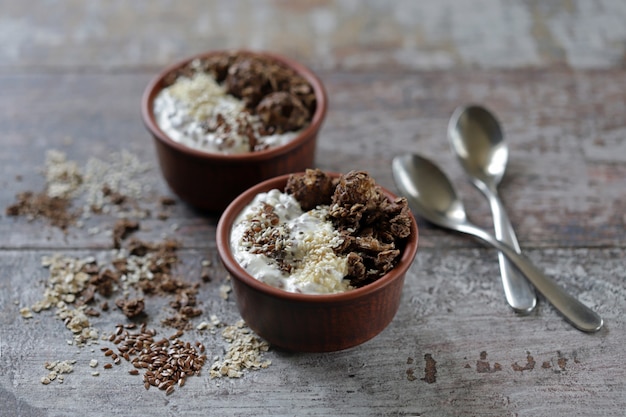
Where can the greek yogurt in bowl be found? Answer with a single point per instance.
(233, 103)
(197, 112)
(372, 231)
(320, 236)
(280, 244)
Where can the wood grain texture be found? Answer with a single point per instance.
(452, 309)
(328, 34)
(563, 185)
(71, 78)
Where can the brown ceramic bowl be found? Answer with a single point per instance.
(311, 322)
(210, 181)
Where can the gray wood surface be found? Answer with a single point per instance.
(71, 78)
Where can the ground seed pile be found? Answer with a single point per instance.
(79, 289)
(40, 205)
(111, 186)
(130, 278)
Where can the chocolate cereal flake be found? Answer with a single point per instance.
(312, 189)
(282, 98)
(372, 226)
(132, 307)
(122, 229)
(283, 112)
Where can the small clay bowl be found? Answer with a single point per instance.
(311, 322)
(210, 181)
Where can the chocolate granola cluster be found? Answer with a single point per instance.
(373, 227)
(282, 98)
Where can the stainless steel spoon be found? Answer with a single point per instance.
(478, 143)
(431, 194)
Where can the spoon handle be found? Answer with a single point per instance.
(517, 290)
(578, 314)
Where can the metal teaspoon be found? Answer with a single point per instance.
(478, 143)
(431, 194)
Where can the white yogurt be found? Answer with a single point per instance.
(185, 108)
(306, 241)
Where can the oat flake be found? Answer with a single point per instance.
(245, 351)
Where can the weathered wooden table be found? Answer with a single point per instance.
(71, 78)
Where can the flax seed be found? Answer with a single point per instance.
(176, 335)
(133, 372)
(107, 366)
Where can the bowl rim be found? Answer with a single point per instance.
(155, 86)
(224, 227)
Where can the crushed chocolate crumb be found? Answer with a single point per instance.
(122, 229)
(104, 281)
(114, 197)
(131, 308)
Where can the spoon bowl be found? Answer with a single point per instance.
(431, 194)
(477, 139)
